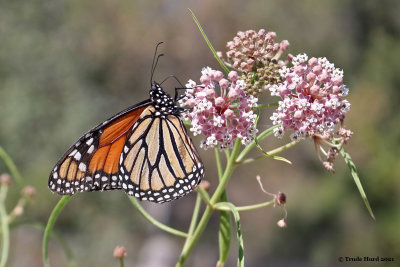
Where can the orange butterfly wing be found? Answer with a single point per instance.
(92, 162)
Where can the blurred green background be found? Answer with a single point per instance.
(67, 65)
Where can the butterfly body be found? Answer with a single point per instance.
(144, 150)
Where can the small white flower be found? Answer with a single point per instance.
(206, 71)
(284, 71)
(299, 59)
(218, 121)
(345, 106)
(279, 132)
(344, 91)
(190, 84)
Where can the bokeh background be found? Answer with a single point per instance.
(67, 65)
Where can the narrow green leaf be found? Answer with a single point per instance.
(354, 173)
(262, 150)
(236, 216)
(209, 43)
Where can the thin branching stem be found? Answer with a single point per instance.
(11, 166)
(214, 199)
(49, 227)
(155, 222)
(4, 227)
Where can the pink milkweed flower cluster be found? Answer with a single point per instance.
(312, 98)
(257, 55)
(250, 48)
(221, 117)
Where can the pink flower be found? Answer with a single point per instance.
(220, 115)
(312, 98)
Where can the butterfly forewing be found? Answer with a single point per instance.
(92, 162)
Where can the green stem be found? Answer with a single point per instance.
(11, 166)
(156, 223)
(195, 216)
(49, 227)
(219, 165)
(224, 233)
(121, 262)
(4, 227)
(268, 105)
(208, 211)
(247, 208)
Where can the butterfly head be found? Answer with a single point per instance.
(162, 101)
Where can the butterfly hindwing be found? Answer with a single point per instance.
(159, 162)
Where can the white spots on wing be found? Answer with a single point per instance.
(91, 149)
(73, 153)
(126, 149)
(82, 166)
(77, 156)
(89, 142)
(104, 178)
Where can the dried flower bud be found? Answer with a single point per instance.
(119, 252)
(280, 199)
(328, 166)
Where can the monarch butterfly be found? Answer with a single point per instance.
(144, 149)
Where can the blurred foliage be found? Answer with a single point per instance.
(67, 65)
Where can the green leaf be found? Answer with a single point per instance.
(356, 178)
(209, 43)
(262, 150)
(236, 216)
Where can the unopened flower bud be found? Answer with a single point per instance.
(224, 83)
(205, 185)
(219, 101)
(233, 76)
(5, 179)
(119, 252)
(29, 191)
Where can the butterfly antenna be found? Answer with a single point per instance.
(173, 76)
(155, 61)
